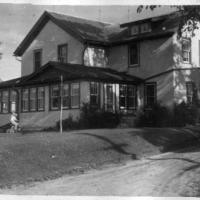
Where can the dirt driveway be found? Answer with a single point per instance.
(170, 174)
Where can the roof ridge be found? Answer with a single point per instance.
(148, 18)
(77, 17)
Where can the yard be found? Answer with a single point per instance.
(48, 155)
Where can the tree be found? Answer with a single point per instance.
(190, 17)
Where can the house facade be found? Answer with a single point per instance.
(119, 68)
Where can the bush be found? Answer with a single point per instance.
(91, 117)
(184, 114)
(160, 116)
(157, 116)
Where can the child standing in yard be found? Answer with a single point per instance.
(14, 121)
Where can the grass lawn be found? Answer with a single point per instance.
(48, 155)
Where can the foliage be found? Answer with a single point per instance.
(190, 16)
(160, 116)
(91, 117)
(157, 116)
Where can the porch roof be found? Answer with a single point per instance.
(51, 72)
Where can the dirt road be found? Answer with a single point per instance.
(170, 174)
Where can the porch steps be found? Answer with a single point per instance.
(127, 121)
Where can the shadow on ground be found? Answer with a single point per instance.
(118, 147)
(171, 139)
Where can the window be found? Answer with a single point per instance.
(191, 92)
(145, 27)
(55, 97)
(133, 54)
(109, 95)
(33, 101)
(75, 95)
(127, 97)
(70, 96)
(25, 99)
(95, 57)
(134, 30)
(186, 50)
(62, 53)
(40, 98)
(37, 59)
(150, 94)
(66, 100)
(13, 101)
(94, 94)
(5, 105)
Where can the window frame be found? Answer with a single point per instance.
(39, 109)
(33, 110)
(36, 68)
(148, 25)
(60, 46)
(66, 96)
(145, 94)
(194, 95)
(10, 100)
(22, 109)
(126, 97)
(70, 101)
(51, 87)
(78, 106)
(189, 52)
(131, 65)
(96, 95)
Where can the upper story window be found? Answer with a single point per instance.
(186, 50)
(62, 53)
(140, 28)
(145, 27)
(95, 57)
(134, 54)
(134, 30)
(37, 59)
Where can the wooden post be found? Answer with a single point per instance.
(61, 104)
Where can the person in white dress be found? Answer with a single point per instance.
(14, 121)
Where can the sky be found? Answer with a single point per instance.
(18, 16)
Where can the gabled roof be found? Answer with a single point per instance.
(99, 33)
(11, 83)
(82, 29)
(52, 71)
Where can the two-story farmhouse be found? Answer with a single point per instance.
(115, 67)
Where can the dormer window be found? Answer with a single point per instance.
(62, 53)
(140, 28)
(134, 30)
(144, 28)
(37, 59)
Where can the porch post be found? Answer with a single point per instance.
(61, 104)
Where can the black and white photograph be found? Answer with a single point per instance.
(99, 99)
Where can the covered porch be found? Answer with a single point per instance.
(37, 97)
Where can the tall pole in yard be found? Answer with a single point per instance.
(61, 104)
